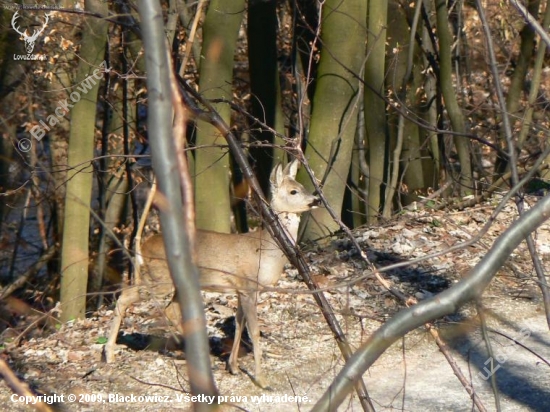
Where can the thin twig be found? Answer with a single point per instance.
(21, 388)
(456, 369)
(24, 278)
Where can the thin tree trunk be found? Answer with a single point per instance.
(534, 92)
(115, 187)
(517, 84)
(432, 100)
(375, 106)
(453, 109)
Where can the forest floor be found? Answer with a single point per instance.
(301, 356)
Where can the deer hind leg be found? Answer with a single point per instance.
(127, 297)
(249, 307)
(240, 322)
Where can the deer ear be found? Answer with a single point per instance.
(292, 168)
(277, 175)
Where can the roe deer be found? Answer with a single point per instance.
(244, 263)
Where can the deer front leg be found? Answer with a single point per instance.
(240, 322)
(127, 297)
(249, 307)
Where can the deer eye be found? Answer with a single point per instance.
(293, 192)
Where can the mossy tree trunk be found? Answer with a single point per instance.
(375, 105)
(335, 107)
(75, 242)
(449, 96)
(220, 30)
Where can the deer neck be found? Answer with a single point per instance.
(291, 223)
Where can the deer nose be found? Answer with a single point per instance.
(316, 202)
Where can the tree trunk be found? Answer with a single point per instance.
(74, 252)
(221, 29)
(517, 84)
(10, 73)
(404, 77)
(433, 101)
(335, 107)
(113, 182)
(265, 87)
(375, 106)
(453, 109)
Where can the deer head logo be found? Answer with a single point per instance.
(29, 40)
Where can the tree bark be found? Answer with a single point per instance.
(221, 28)
(453, 109)
(74, 252)
(335, 107)
(375, 106)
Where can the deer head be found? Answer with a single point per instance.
(29, 40)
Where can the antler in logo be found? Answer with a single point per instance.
(29, 40)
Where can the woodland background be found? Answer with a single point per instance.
(392, 105)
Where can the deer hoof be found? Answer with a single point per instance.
(232, 367)
(261, 381)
